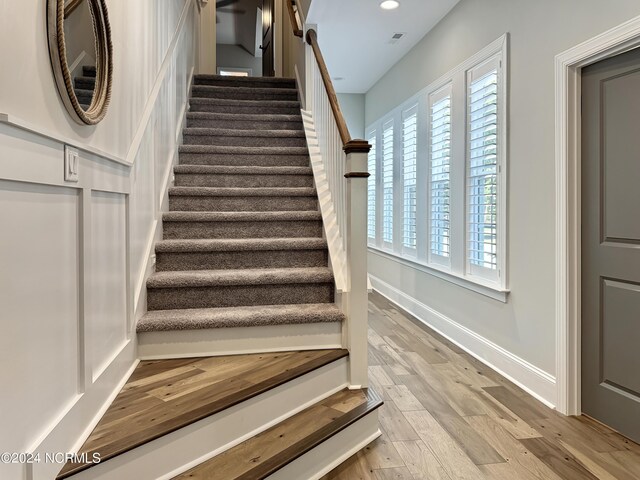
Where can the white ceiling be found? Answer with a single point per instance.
(354, 36)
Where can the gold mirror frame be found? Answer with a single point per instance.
(104, 61)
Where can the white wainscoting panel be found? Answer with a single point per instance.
(106, 330)
(39, 310)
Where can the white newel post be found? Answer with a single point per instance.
(356, 177)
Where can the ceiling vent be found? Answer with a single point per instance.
(395, 38)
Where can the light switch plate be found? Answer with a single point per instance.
(71, 163)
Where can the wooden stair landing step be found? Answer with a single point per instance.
(162, 396)
(271, 450)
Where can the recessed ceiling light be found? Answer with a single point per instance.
(389, 4)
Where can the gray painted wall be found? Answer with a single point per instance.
(237, 57)
(539, 30)
(352, 106)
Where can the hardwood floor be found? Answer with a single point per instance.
(165, 395)
(267, 452)
(449, 417)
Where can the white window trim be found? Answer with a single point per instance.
(498, 62)
(458, 271)
(476, 285)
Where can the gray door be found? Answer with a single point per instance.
(611, 243)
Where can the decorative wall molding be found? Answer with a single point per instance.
(43, 132)
(155, 91)
(530, 378)
(568, 67)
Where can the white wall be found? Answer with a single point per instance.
(78, 32)
(352, 106)
(237, 57)
(74, 256)
(524, 326)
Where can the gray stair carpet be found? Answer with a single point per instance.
(243, 239)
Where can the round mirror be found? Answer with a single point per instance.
(81, 56)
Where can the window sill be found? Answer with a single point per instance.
(486, 289)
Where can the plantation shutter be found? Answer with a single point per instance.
(387, 183)
(482, 167)
(371, 189)
(439, 173)
(409, 177)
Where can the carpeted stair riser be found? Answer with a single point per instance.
(238, 295)
(197, 138)
(175, 230)
(89, 71)
(84, 96)
(234, 160)
(240, 93)
(215, 105)
(244, 122)
(85, 83)
(185, 203)
(177, 261)
(258, 82)
(242, 181)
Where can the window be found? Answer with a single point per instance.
(482, 168)
(440, 183)
(409, 156)
(439, 171)
(371, 189)
(387, 183)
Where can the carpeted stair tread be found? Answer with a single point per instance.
(245, 116)
(284, 216)
(263, 276)
(228, 317)
(241, 170)
(225, 132)
(235, 102)
(242, 192)
(213, 90)
(236, 150)
(88, 83)
(240, 244)
(83, 96)
(204, 79)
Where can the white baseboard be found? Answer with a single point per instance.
(70, 431)
(530, 378)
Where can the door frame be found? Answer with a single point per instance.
(568, 85)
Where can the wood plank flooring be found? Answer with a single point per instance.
(449, 417)
(165, 395)
(267, 452)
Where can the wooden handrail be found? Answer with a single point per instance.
(294, 21)
(71, 6)
(312, 39)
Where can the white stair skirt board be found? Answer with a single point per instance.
(239, 340)
(537, 382)
(328, 455)
(177, 452)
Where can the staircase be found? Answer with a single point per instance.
(243, 372)
(84, 86)
(243, 253)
